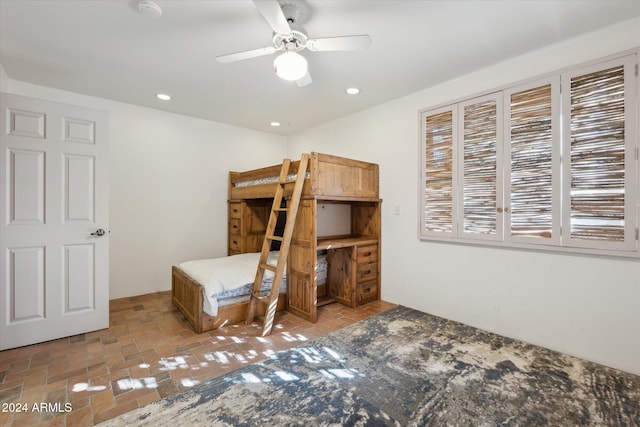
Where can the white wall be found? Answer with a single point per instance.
(588, 306)
(168, 186)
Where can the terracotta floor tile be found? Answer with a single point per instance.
(167, 388)
(148, 353)
(79, 417)
(113, 412)
(11, 394)
(102, 401)
(142, 388)
(149, 398)
(26, 418)
(6, 418)
(66, 375)
(78, 402)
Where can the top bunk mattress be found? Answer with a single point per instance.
(267, 180)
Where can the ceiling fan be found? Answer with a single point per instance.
(290, 38)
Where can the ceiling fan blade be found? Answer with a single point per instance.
(304, 81)
(272, 12)
(239, 56)
(339, 43)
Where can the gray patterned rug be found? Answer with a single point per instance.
(406, 368)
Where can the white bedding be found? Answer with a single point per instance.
(227, 273)
(229, 280)
(218, 275)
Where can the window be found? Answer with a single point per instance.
(550, 163)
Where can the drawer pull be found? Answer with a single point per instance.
(367, 254)
(368, 271)
(235, 211)
(235, 226)
(367, 290)
(235, 242)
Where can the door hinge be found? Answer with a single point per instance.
(637, 151)
(636, 70)
(637, 234)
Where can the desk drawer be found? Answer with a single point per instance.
(366, 254)
(366, 292)
(234, 243)
(235, 210)
(234, 226)
(367, 272)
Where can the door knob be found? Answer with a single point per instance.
(99, 232)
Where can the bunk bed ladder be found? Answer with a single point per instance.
(285, 240)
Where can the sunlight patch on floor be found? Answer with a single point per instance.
(137, 383)
(78, 387)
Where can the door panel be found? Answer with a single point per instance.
(26, 283)
(53, 195)
(82, 131)
(26, 123)
(79, 280)
(26, 187)
(79, 185)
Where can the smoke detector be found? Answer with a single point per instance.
(149, 8)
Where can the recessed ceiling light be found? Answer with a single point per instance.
(149, 8)
(353, 91)
(275, 124)
(163, 96)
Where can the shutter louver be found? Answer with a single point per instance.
(480, 175)
(597, 137)
(439, 173)
(531, 151)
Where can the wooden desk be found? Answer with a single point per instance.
(353, 277)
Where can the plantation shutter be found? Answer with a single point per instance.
(599, 151)
(532, 145)
(551, 164)
(438, 192)
(481, 129)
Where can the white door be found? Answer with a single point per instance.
(53, 203)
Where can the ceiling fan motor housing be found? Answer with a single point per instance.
(293, 42)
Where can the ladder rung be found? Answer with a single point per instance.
(268, 267)
(291, 210)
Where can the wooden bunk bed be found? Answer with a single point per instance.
(354, 259)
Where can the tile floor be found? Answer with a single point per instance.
(149, 352)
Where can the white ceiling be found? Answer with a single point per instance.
(106, 48)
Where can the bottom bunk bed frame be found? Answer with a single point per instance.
(186, 295)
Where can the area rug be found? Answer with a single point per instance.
(406, 368)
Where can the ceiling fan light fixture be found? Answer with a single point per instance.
(290, 66)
